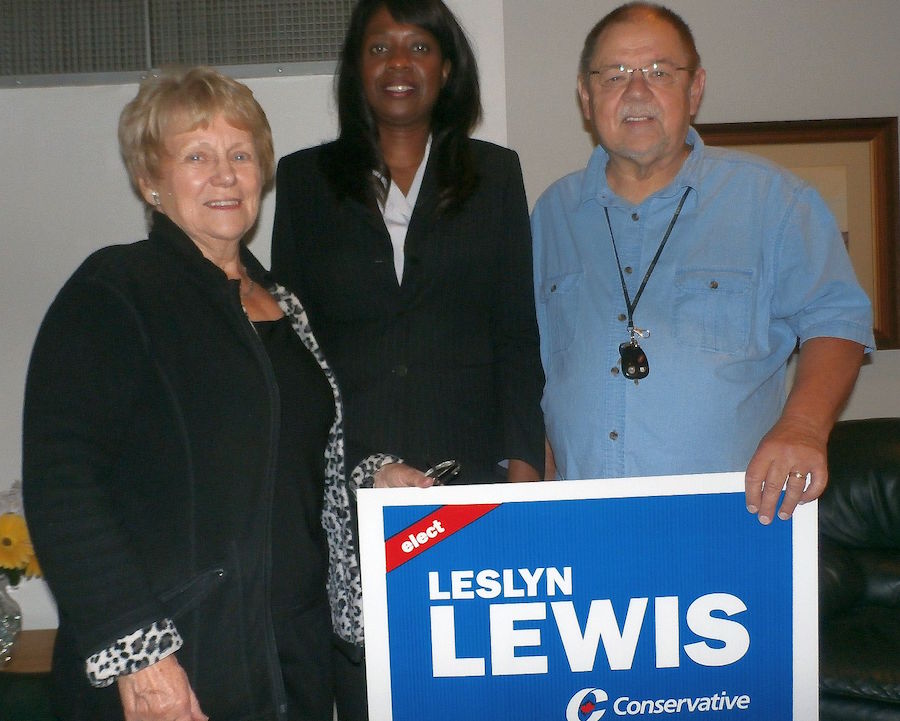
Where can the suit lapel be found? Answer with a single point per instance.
(370, 233)
(417, 247)
(376, 241)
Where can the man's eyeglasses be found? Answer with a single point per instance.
(660, 75)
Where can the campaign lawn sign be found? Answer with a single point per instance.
(648, 598)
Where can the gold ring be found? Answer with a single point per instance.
(797, 474)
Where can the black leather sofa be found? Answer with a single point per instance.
(859, 574)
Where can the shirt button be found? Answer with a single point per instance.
(629, 269)
(613, 436)
(614, 370)
(713, 284)
(622, 317)
(400, 370)
(635, 216)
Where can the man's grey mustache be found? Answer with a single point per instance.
(635, 111)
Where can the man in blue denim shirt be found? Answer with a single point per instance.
(673, 282)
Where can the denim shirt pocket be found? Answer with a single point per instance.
(712, 308)
(560, 296)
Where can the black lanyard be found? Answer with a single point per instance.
(628, 304)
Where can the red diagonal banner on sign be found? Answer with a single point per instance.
(431, 530)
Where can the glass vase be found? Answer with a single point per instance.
(10, 621)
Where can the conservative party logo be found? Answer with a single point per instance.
(584, 705)
(589, 704)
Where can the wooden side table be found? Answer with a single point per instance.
(25, 680)
(33, 652)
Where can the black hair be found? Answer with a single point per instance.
(454, 116)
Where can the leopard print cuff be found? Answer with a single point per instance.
(133, 652)
(363, 476)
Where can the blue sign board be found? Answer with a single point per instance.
(634, 599)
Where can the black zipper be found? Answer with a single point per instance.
(279, 695)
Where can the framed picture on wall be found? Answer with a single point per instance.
(853, 163)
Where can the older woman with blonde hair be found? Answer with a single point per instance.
(182, 442)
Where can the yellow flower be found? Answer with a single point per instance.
(15, 545)
(33, 568)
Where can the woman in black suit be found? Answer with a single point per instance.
(409, 245)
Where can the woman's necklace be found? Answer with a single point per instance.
(251, 285)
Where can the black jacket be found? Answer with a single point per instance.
(447, 364)
(150, 436)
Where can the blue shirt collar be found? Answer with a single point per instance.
(594, 186)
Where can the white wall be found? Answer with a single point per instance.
(765, 60)
(64, 193)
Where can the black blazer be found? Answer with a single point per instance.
(150, 426)
(446, 364)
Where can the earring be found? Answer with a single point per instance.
(155, 196)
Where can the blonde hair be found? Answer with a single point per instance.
(186, 98)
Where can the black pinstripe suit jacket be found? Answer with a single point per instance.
(446, 364)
